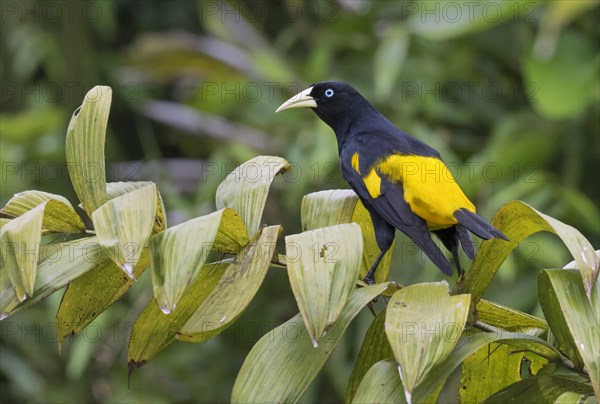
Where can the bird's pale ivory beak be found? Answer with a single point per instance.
(300, 100)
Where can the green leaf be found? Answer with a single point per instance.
(30, 124)
(389, 58)
(575, 56)
(235, 289)
(517, 220)
(124, 224)
(283, 362)
(178, 253)
(488, 371)
(423, 324)
(540, 389)
(323, 266)
(573, 319)
(232, 235)
(469, 343)
(509, 319)
(93, 292)
(153, 331)
(60, 264)
(337, 206)
(246, 188)
(381, 384)
(21, 239)
(375, 347)
(85, 148)
(59, 215)
(442, 21)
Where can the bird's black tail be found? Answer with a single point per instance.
(477, 225)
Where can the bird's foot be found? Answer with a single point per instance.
(369, 279)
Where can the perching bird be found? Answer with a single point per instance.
(403, 183)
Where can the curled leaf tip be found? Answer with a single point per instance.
(131, 366)
(166, 310)
(128, 269)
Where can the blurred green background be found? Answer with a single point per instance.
(508, 92)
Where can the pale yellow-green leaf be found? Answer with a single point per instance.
(573, 319)
(153, 331)
(323, 267)
(20, 250)
(374, 348)
(488, 371)
(542, 389)
(85, 148)
(573, 264)
(60, 263)
(115, 189)
(381, 384)
(124, 224)
(327, 208)
(337, 206)
(3, 221)
(423, 324)
(509, 319)
(92, 293)
(283, 362)
(246, 188)
(59, 215)
(517, 220)
(235, 289)
(178, 253)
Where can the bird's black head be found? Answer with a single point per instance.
(337, 104)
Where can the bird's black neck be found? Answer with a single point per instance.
(355, 119)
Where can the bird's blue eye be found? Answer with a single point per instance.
(329, 93)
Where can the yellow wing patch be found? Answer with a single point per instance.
(372, 180)
(355, 163)
(429, 188)
(373, 183)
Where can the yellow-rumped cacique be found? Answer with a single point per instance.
(403, 183)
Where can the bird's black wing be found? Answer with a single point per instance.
(390, 204)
